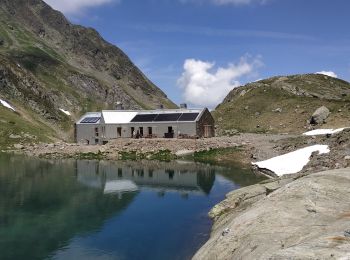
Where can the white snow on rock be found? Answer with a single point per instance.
(323, 131)
(292, 162)
(5, 104)
(65, 112)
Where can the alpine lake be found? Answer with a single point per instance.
(88, 209)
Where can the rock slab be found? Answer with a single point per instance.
(306, 218)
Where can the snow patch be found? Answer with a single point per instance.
(65, 112)
(324, 131)
(5, 104)
(327, 73)
(292, 162)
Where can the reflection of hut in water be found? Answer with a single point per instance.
(41, 195)
(127, 177)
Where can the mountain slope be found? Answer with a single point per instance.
(48, 64)
(284, 104)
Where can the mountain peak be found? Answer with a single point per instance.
(50, 65)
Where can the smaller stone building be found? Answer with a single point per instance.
(99, 128)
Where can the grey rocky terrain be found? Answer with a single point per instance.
(286, 218)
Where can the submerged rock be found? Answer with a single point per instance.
(18, 146)
(184, 153)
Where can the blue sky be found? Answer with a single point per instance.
(197, 50)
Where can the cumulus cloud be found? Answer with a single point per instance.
(205, 85)
(76, 6)
(328, 73)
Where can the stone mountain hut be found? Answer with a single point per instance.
(99, 128)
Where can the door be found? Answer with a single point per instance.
(119, 132)
(170, 133)
(208, 131)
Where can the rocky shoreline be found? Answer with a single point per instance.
(287, 218)
(297, 216)
(251, 146)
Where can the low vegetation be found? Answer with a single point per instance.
(15, 129)
(284, 104)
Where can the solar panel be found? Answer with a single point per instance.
(90, 120)
(167, 117)
(188, 117)
(144, 118)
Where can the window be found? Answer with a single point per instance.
(103, 131)
(96, 131)
(150, 131)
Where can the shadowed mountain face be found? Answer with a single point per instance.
(47, 63)
(284, 104)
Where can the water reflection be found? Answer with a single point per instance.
(121, 177)
(119, 210)
(42, 207)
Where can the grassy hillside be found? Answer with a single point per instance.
(48, 64)
(284, 104)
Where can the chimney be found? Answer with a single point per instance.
(183, 106)
(119, 106)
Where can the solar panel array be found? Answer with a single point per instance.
(144, 118)
(188, 117)
(182, 117)
(167, 117)
(90, 120)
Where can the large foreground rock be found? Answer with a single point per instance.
(320, 116)
(307, 218)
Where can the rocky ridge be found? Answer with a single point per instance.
(284, 105)
(47, 64)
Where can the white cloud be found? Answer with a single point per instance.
(328, 73)
(76, 6)
(204, 87)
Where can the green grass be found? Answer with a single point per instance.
(90, 156)
(34, 58)
(13, 123)
(5, 37)
(215, 155)
(240, 113)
